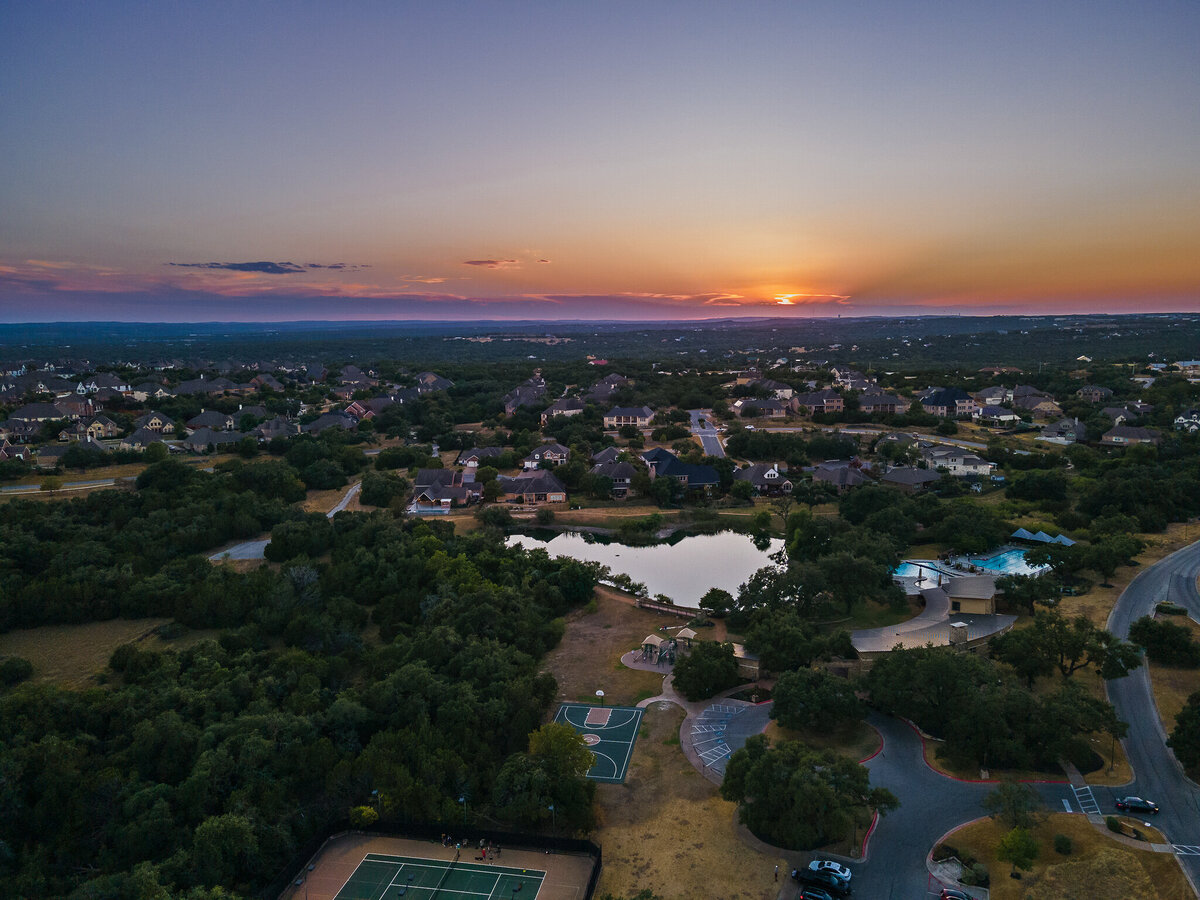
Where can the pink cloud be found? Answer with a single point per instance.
(494, 263)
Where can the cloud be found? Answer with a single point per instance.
(494, 263)
(423, 279)
(263, 267)
(543, 260)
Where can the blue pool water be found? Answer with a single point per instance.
(1010, 562)
(909, 570)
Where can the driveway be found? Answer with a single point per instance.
(708, 434)
(1158, 774)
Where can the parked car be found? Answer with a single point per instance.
(832, 884)
(828, 865)
(954, 894)
(1136, 804)
(812, 893)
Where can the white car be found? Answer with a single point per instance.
(833, 868)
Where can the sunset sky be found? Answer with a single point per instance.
(238, 161)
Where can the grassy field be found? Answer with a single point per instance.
(1099, 865)
(72, 655)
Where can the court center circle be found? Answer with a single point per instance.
(591, 739)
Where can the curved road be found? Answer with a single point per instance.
(708, 434)
(1157, 774)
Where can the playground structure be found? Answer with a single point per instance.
(662, 651)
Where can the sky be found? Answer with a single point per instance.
(219, 161)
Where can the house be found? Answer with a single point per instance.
(267, 381)
(101, 381)
(280, 426)
(842, 477)
(1032, 400)
(51, 455)
(149, 390)
(956, 461)
(996, 414)
(911, 481)
(603, 390)
(155, 421)
(875, 401)
(638, 416)
(993, 396)
(546, 455)
(777, 389)
(1065, 431)
(203, 438)
(537, 487)
(845, 376)
(608, 454)
(767, 409)
(428, 382)
(528, 394)
(217, 421)
(562, 407)
(768, 479)
(972, 594)
(445, 488)
(1092, 393)
(336, 419)
(665, 464)
(478, 456)
(1124, 435)
(826, 401)
(12, 451)
(1189, 367)
(949, 403)
(620, 473)
(1188, 421)
(141, 439)
(96, 428)
(40, 412)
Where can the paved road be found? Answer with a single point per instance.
(256, 549)
(1157, 773)
(708, 434)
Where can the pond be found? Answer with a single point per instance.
(683, 570)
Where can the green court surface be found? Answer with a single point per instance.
(381, 877)
(609, 731)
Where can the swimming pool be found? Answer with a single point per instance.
(1009, 562)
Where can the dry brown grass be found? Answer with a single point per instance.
(857, 740)
(667, 829)
(1099, 865)
(72, 655)
(1173, 686)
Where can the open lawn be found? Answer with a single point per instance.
(72, 655)
(1099, 865)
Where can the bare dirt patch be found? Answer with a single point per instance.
(1099, 865)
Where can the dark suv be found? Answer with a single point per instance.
(826, 881)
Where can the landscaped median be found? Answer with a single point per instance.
(1096, 865)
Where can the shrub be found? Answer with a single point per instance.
(943, 852)
(544, 516)
(1113, 824)
(14, 670)
(1170, 609)
(1166, 642)
(1062, 845)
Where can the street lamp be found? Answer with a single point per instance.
(463, 800)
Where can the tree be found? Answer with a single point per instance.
(223, 848)
(709, 667)
(1166, 642)
(1022, 649)
(1016, 804)
(796, 797)
(717, 601)
(810, 698)
(51, 483)
(1185, 737)
(549, 781)
(1025, 591)
(1018, 847)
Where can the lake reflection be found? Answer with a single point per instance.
(683, 571)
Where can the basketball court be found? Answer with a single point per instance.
(609, 732)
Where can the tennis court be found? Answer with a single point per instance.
(609, 732)
(380, 877)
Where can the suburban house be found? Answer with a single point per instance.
(40, 412)
(777, 389)
(826, 401)
(949, 403)
(620, 473)
(203, 438)
(155, 421)
(478, 456)
(1124, 435)
(1032, 400)
(444, 488)
(1092, 393)
(217, 421)
(100, 381)
(967, 594)
(96, 428)
(428, 382)
(665, 464)
(768, 479)
(51, 455)
(840, 476)
(546, 455)
(875, 401)
(528, 394)
(149, 390)
(1065, 431)
(956, 461)
(280, 426)
(141, 439)
(767, 409)
(336, 419)
(1119, 414)
(639, 416)
(608, 454)
(536, 487)
(266, 381)
(562, 407)
(604, 389)
(1188, 421)
(911, 481)
(996, 414)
